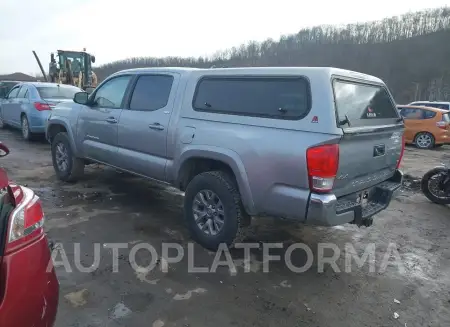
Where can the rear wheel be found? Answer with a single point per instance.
(424, 140)
(26, 133)
(433, 187)
(68, 168)
(213, 210)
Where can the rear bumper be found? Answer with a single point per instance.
(38, 121)
(327, 210)
(28, 286)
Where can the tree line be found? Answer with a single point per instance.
(411, 53)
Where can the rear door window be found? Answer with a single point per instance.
(364, 104)
(444, 106)
(428, 114)
(412, 113)
(151, 92)
(268, 97)
(23, 92)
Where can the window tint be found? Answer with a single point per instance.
(151, 92)
(427, 114)
(111, 93)
(363, 104)
(412, 113)
(13, 93)
(280, 98)
(55, 92)
(23, 92)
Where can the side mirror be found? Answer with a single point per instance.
(81, 97)
(4, 151)
(93, 59)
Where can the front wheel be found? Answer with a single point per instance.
(68, 168)
(433, 186)
(213, 210)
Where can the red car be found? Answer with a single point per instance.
(29, 288)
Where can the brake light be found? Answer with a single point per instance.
(441, 124)
(27, 221)
(399, 161)
(322, 162)
(40, 106)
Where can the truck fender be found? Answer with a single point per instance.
(226, 156)
(62, 122)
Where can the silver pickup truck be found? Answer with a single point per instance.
(319, 146)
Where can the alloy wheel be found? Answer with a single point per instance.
(424, 140)
(62, 157)
(209, 213)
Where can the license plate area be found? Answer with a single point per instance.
(363, 198)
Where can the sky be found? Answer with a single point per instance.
(115, 30)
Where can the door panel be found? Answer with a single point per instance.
(97, 122)
(98, 133)
(22, 105)
(10, 105)
(143, 126)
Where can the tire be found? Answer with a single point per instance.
(25, 128)
(424, 185)
(420, 142)
(234, 215)
(74, 167)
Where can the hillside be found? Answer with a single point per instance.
(17, 77)
(411, 53)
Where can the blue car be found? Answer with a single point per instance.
(28, 105)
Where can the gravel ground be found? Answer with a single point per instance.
(107, 207)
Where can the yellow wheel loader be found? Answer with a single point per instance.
(71, 67)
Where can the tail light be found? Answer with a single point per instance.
(399, 161)
(40, 106)
(441, 124)
(27, 221)
(322, 162)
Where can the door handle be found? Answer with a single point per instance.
(156, 126)
(111, 120)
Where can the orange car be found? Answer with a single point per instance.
(425, 127)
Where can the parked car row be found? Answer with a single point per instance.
(241, 143)
(28, 104)
(27, 276)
